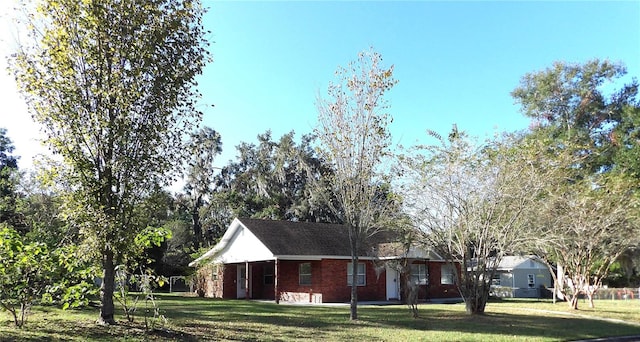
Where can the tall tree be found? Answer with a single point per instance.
(206, 144)
(112, 83)
(354, 136)
(587, 123)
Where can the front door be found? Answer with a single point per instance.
(393, 279)
(241, 281)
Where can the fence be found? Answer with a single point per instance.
(602, 293)
(617, 293)
(178, 284)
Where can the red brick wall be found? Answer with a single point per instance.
(289, 280)
(435, 289)
(329, 278)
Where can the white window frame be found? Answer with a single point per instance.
(447, 274)
(304, 276)
(419, 274)
(361, 276)
(531, 280)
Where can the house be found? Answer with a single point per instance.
(521, 277)
(311, 262)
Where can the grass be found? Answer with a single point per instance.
(197, 319)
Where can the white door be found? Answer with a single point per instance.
(393, 280)
(241, 281)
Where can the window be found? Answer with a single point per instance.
(496, 279)
(268, 274)
(305, 273)
(446, 274)
(419, 274)
(362, 279)
(532, 280)
(214, 272)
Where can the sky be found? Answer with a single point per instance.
(456, 62)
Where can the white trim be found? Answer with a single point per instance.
(226, 238)
(320, 257)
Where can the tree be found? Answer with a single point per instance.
(569, 103)
(354, 137)
(470, 202)
(205, 146)
(588, 136)
(583, 224)
(25, 270)
(41, 209)
(8, 180)
(273, 179)
(112, 84)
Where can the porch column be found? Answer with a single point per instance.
(247, 276)
(275, 281)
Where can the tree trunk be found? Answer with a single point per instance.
(590, 296)
(559, 284)
(354, 278)
(476, 297)
(573, 303)
(197, 227)
(107, 288)
(475, 305)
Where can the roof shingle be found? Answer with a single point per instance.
(305, 238)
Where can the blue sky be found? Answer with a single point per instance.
(456, 62)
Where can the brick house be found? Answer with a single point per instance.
(311, 262)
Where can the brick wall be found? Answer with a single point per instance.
(435, 289)
(328, 279)
(328, 282)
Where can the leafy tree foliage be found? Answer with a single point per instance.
(354, 137)
(40, 207)
(583, 224)
(112, 85)
(273, 180)
(8, 180)
(588, 137)
(205, 146)
(568, 102)
(25, 269)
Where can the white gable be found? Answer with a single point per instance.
(238, 244)
(243, 246)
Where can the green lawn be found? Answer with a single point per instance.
(196, 319)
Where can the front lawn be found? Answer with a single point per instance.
(196, 319)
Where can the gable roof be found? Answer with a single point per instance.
(303, 238)
(267, 239)
(510, 262)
